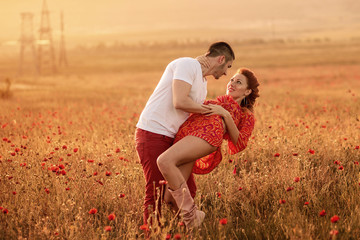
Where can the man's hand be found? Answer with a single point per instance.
(214, 109)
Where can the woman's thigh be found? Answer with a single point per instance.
(188, 149)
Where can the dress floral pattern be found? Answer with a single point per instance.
(211, 129)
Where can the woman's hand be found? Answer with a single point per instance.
(217, 110)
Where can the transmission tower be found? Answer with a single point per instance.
(27, 41)
(62, 55)
(46, 54)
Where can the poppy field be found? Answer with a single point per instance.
(69, 169)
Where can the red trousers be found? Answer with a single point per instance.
(149, 146)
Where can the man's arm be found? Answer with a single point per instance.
(181, 99)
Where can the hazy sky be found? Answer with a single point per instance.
(84, 17)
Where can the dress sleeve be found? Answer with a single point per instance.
(245, 127)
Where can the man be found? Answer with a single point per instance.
(181, 90)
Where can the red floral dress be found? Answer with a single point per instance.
(211, 129)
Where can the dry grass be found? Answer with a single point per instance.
(303, 106)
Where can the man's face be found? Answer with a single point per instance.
(222, 69)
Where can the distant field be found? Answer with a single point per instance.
(67, 146)
(154, 57)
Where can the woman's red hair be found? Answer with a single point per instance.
(253, 84)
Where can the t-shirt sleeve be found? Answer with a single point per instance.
(185, 70)
(246, 126)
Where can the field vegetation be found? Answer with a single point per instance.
(69, 169)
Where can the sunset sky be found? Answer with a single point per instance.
(85, 19)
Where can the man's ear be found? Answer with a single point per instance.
(221, 59)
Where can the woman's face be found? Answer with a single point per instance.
(237, 87)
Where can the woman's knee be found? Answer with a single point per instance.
(162, 163)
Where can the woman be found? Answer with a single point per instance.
(197, 144)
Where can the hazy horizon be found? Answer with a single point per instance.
(124, 19)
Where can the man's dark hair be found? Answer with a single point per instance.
(221, 48)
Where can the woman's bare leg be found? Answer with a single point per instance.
(185, 151)
(186, 170)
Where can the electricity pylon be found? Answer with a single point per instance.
(27, 41)
(46, 54)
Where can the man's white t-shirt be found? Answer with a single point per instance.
(159, 115)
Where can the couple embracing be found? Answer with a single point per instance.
(179, 132)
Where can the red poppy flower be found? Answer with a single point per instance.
(67, 189)
(54, 168)
(93, 211)
(107, 228)
(296, 179)
(90, 161)
(61, 166)
(322, 213)
(295, 154)
(47, 190)
(282, 201)
(163, 182)
(306, 203)
(177, 236)
(234, 171)
(107, 173)
(14, 193)
(277, 155)
(168, 236)
(95, 173)
(240, 188)
(223, 221)
(121, 195)
(357, 147)
(218, 194)
(111, 217)
(5, 211)
(356, 163)
(144, 227)
(289, 189)
(335, 218)
(64, 147)
(334, 232)
(341, 168)
(311, 151)
(336, 162)
(117, 150)
(181, 224)
(75, 150)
